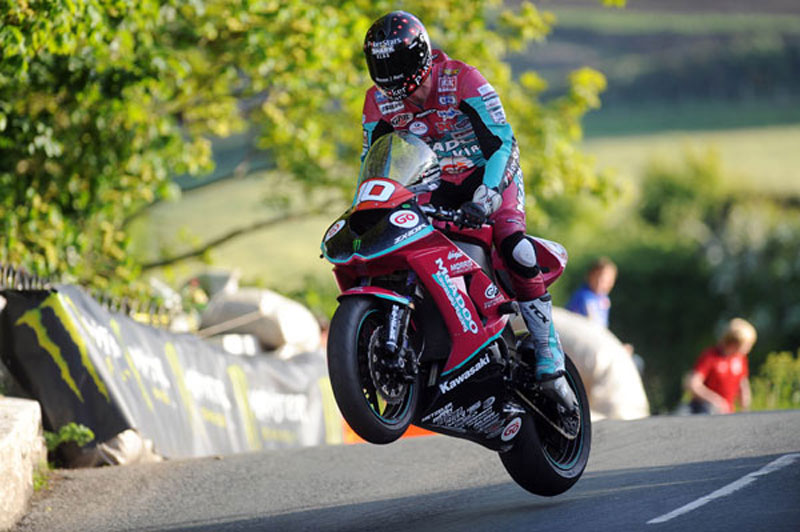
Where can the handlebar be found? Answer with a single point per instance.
(439, 213)
(450, 215)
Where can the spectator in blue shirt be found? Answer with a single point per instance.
(591, 299)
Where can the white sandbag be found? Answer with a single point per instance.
(237, 344)
(213, 282)
(607, 369)
(281, 325)
(127, 447)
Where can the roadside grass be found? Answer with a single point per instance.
(42, 477)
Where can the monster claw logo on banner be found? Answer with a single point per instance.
(110, 373)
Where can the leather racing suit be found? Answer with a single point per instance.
(463, 122)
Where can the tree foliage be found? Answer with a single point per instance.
(91, 94)
(777, 385)
(102, 101)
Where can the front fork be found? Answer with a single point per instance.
(396, 328)
(399, 356)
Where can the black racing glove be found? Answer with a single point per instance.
(471, 214)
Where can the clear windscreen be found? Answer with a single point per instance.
(404, 158)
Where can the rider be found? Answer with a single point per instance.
(451, 107)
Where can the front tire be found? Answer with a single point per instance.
(543, 461)
(351, 344)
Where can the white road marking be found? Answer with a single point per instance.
(724, 491)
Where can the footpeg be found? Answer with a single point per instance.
(509, 307)
(567, 424)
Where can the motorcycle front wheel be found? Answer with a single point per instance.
(376, 405)
(542, 460)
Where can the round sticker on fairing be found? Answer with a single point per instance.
(335, 228)
(512, 429)
(404, 219)
(418, 128)
(491, 291)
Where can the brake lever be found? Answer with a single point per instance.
(439, 213)
(460, 222)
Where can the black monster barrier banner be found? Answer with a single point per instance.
(111, 373)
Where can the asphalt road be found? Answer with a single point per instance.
(738, 472)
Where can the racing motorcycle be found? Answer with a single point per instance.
(422, 334)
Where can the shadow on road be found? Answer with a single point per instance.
(601, 501)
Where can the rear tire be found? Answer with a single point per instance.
(543, 461)
(367, 412)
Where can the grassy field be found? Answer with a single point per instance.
(277, 257)
(630, 119)
(753, 159)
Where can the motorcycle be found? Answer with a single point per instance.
(422, 333)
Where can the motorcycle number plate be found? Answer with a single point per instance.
(375, 190)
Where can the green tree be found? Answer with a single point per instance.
(102, 101)
(91, 96)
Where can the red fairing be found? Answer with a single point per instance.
(442, 268)
(373, 291)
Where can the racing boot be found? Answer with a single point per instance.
(549, 368)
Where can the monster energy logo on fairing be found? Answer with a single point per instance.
(356, 244)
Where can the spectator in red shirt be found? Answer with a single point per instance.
(720, 375)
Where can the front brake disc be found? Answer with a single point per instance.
(388, 381)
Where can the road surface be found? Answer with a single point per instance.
(739, 472)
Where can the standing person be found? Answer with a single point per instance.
(720, 375)
(450, 106)
(591, 299)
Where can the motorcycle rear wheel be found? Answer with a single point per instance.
(350, 345)
(543, 461)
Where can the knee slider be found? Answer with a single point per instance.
(520, 255)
